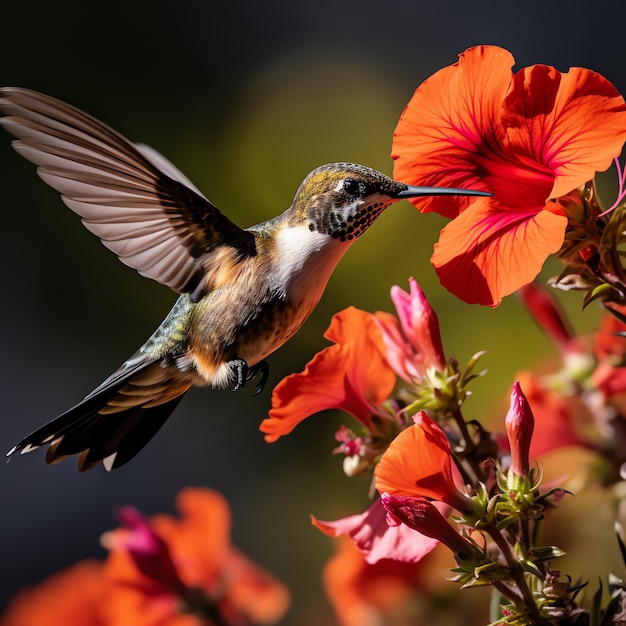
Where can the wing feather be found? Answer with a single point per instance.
(131, 197)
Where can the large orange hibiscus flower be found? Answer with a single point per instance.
(530, 138)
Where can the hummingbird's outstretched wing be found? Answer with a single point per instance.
(140, 206)
(115, 421)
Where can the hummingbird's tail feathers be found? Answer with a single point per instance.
(138, 204)
(111, 439)
(114, 422)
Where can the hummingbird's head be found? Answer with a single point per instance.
(343, 199)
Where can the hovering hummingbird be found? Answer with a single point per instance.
(243, 292)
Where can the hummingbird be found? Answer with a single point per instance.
(243, 291)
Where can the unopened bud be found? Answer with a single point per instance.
(424, 517)
(519, 424)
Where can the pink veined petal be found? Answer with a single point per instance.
(488, 252)
(398, 351)
(377, 540)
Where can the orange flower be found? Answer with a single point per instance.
(170, 572)
(418, 463)
(351, 375)
(72, 596)
(365, 593)
(609, 346)
(526, 138)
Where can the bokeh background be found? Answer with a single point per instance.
(246, 98)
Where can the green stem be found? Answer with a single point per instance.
(468, 442)
(466, 454)
(517, 573)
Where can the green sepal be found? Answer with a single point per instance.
(547, 553)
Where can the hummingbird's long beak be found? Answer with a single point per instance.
(413, 192)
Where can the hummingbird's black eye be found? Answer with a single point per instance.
(355, 187)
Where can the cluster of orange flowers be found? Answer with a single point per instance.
(160, 571)
(439, 478)
(526, 138)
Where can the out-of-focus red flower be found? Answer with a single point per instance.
(365, 593)
(351, 375)
(609, 347)
(609, 341)
(418, 463)
(549, 316)
(73, 596)
(526, 138)
(184, 572)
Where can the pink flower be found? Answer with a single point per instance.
(412, 341)
(376, 539)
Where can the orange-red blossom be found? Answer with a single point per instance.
(418, 463)
(530, 138)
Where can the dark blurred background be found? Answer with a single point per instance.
(246, 98)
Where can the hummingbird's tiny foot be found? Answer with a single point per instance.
(264, 368)
(240, 369)
(243, 373)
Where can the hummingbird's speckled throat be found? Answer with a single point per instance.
(243, 291)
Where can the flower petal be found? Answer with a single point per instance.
(418, 463)
(547, 117)
(398, 351)
(424, 517)
(352, 375)
(376, 539)
(370, 593)
(487, 253)
(71, 596)
(446, 123)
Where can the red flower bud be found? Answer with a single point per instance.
(519, 424)
(424, 517)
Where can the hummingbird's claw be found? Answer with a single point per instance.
(264, 368)
(243, 373)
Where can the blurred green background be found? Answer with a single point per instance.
(246, 98)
